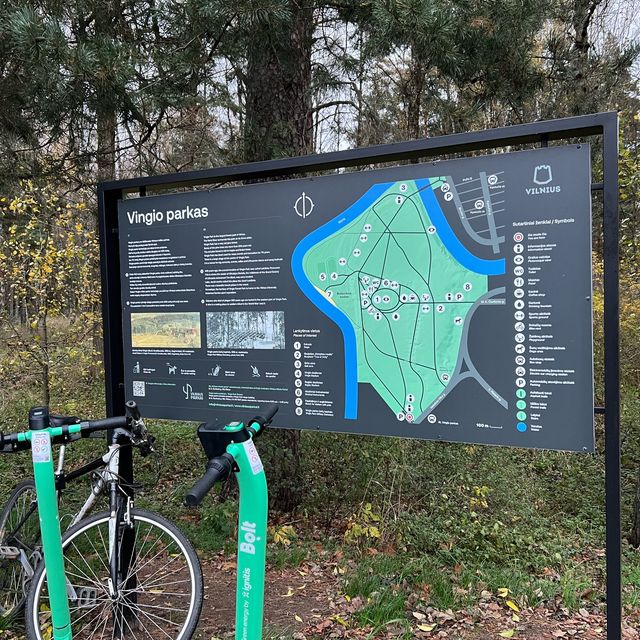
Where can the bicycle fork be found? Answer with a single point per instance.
(121, 582)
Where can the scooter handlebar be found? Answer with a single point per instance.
(217, 470)
(264, 419)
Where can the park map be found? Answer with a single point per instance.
(401, 284)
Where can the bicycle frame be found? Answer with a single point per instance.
(108, 468)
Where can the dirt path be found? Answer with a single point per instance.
(294, 598)
(306, 603)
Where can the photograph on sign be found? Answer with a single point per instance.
(446, 301)
(165, 330)
(245, 329)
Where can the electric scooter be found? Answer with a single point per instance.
(230, 448)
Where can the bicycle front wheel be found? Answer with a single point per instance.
(159, 598)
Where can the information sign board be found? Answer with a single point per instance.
(447, 300)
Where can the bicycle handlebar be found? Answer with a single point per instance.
(64, 429)
(118, 422)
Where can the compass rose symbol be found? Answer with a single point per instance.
(304, 205)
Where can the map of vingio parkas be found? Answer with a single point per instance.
(404, 289)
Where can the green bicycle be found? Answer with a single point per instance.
(230, 448)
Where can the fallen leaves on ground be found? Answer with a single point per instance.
(308, 603)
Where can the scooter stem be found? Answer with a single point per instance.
(252, 540)
(44, 476)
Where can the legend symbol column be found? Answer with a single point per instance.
(520, 328)
(297, 372)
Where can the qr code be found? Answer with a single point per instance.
(138, 388)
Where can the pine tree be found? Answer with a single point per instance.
(104, 73)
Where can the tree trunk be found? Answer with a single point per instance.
(43, 331)
(279, 123)
(279, 119)
(106, 142)
(106, 14)
(414, 88)
(106, 165)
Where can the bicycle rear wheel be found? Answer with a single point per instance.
(20, 547)
(162, 601)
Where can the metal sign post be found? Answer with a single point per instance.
(603, 125)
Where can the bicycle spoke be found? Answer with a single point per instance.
(133, 605)
(141, 622)
(95, 581)
(85, 580)
(155, 583)
(159, 602)
(86, 563)
(81, 607)
(114, 615)
(176, 570)
(75, 622)
(100, 555)
(137, 567)
(130, 628)
(144, 613)
(145, 589)
(157, 606)
(133, 567)
(106, 622)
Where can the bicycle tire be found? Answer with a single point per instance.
(83, 543)
(19, 528)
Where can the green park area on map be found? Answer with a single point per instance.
(404, 293)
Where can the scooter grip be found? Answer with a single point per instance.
(217, 470)
(262, 420)
(270, 413)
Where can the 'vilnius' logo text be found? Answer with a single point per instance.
(542, 175)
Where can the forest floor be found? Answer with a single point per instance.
(308, 603)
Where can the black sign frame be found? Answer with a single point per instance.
(540, 133)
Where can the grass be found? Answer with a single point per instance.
(273, 633)
(280, 557)
(387, 583)
(631, 580)
(385, 608)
